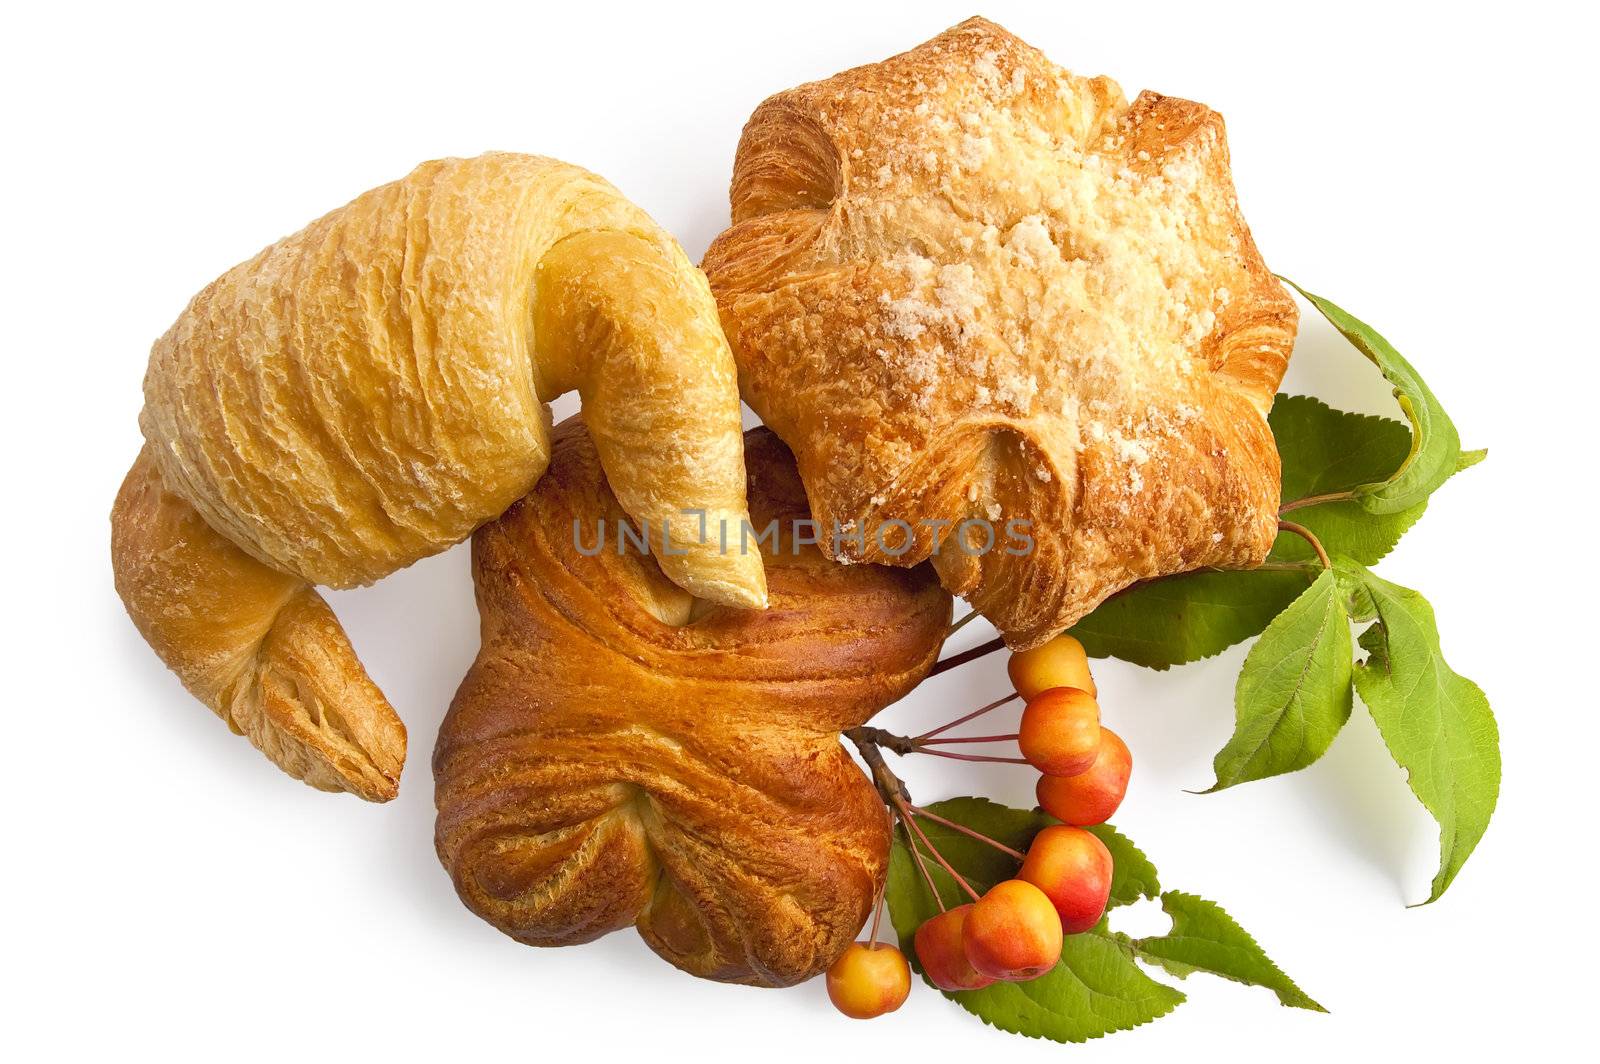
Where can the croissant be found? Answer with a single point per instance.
(1009, 322)
(368, 391)
(621, 754)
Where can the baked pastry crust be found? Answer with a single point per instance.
(368, 391)
(620, 754)
(965, 284)
(260, 647)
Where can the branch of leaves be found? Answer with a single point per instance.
(1096, 988)
(1353, 485)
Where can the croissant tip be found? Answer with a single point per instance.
(745, 598)
(378, 789)
(746, 590)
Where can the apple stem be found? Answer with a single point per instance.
(1316, 500)
(965, 656)
(877, 915)
(927, 877)
(969, 832)
(980, 711)
(893, 791)
(870, 738)
(867, 737)
(910, 822)
(967, 739)
(1309, 536)
(973, 757)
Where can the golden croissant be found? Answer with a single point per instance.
(621, 755)
(976, 293)
(368, 391)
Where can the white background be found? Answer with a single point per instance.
(165, 887)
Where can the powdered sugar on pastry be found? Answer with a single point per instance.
(963, 265)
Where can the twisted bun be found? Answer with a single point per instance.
(622, 754)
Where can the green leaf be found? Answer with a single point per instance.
(1095, 990)
(1293, 693)
(1436, 723)
(1358, 604)
(1435, 446)
(1097, 987)
(1133, 877)
(1184, 618)
(1326, 451)
(1204, 938)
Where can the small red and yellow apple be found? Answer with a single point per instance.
(1012, 932)
(1060, 731)
(1016, 930)
(868, 980)
(1072, 869)
(1092, 796)
(1061, 662)
(941, 949)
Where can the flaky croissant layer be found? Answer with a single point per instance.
(619, 756)
(368, 391)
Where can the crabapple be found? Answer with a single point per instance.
(869, 980)
(1072, 868)
(1058, 663)
(1091, 796)
(1012, 932)
(943, 952)
(1060, 731)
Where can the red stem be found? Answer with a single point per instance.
(922, 866)
(969, 739)
(910, 822)
(969, 832)
(980, 711)
(973, 757)
(966, 655)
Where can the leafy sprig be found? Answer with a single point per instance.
(1097, 987)
(1354, 485)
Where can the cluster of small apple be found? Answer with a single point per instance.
(1015, 930)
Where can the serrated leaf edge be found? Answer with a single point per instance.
(1178, 997)
(1182, 970)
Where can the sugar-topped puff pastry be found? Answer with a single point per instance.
(369, 390)
(964, 284)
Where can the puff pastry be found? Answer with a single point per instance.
(965, 285)
(369, 390)
(621, 756)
